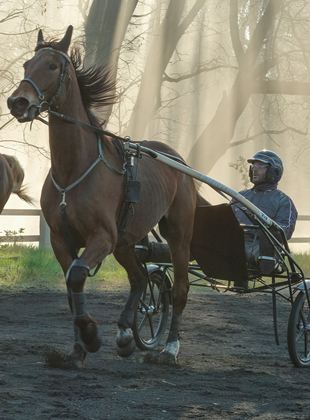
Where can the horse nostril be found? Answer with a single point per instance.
(10, 101)
(18, 104)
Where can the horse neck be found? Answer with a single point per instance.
(72, 148)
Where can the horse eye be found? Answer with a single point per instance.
(52, 66)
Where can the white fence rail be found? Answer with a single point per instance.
(44, 236)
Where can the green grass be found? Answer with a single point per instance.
(28, 267)
(303, 260)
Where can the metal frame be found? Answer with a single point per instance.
(292, 276)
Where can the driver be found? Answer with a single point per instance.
(266, 169)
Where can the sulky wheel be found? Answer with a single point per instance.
(152, 314)
(298, 335)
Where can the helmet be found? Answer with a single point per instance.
(274, 162)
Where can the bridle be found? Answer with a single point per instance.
(51, 102)
(61, 80)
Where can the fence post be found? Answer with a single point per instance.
(44, 241)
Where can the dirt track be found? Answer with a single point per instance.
(229, 368)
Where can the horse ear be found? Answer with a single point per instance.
(63, 45)
(40, 39)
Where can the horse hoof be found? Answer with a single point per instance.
(124, 337)
(94, 345)
(126, 351)
(167, 358)
(77, 356)
(89, 336)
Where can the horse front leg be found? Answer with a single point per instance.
(78, 354)
(85, 326)
(137, 279)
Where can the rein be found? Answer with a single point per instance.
(79, 123)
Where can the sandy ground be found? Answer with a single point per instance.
(229, 365)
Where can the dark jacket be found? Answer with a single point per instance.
(277, 205)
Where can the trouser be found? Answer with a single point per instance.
(252, 247)
(260, 252)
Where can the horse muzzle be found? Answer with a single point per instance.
(22, 109)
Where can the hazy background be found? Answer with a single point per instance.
(216, 79)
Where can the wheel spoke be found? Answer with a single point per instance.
(152, 313)
(303, 328)
(150, 319)
(299, 332)
(306, 345)
(141, 323)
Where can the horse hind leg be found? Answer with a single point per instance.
(137, 279)
(180, 257)
(177, 229)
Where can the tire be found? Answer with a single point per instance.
(152, 314)
(298, 333)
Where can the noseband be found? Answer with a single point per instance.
(61, 79)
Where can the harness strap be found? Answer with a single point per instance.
(100, 158)
(131, 186)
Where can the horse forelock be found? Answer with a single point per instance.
(51, 43)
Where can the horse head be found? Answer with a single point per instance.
(45, 79)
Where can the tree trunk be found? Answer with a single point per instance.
(105, 30)
(161, 50)
(219, 132)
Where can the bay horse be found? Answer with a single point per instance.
(83, 195)
(11, 180)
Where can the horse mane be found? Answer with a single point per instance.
(96, 84)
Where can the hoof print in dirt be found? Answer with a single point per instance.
(126, 351)
(59, 360)
(162, 358)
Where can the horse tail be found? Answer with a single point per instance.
(18, 175)
(22, 193)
